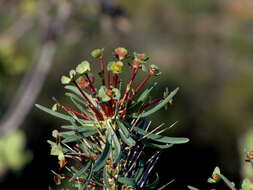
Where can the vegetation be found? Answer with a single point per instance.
(108, 140)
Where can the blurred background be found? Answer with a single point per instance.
(203, 46)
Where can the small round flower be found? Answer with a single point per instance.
(120, 53)
(154, 70)
(82, 82)
(143, 57)
(83, 67)
(97, 53)
(107, 94)
(115, 66)
(139, 60)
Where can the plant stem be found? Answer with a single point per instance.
(102, 70)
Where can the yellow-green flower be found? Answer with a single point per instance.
(83, 67)
(97, 53)
(216, 176)
(65, 80)
(247, 185)
(115, 66)
(107, 94)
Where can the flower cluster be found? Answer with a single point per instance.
(104, 145)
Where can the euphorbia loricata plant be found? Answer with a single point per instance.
(105, 142)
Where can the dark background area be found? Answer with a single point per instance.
(202, 46)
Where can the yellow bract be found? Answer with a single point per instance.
(116, 67)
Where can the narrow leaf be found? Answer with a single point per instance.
(125, 135)
(54, 113)
(106, 179)
(160, 105)
(104, 156)
(128, 181)
(162, 139)
(192, 188)
(81, 171)
(157, 146)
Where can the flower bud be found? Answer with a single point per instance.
(72, 73)
(120, 53)
(154, 70)
(82, 82)
(216, 176)
(65, 80)
(97, 53)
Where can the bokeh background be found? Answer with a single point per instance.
(203, 46)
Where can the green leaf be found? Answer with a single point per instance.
(103, 157)
(73, 89)
(230, 184)
(160, 105)
(162, 139)
(54, 113)
(71, 138)
(76, 98)
(125, 135)
(81, 171)
(128, 181)
(140, 169)
(56, 150)
(77, 92)
(117, 147)
(192, 188)
(157, 146)
(106, 179)
(153, 185)
(145, 95)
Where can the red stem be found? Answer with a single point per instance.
(140, 87)
(92, 106)
(75, 112)
(133, 76)
(91, 87)
(109, 79)
(115, 80)
(102, 70)
(151, 102)
(142, 84)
